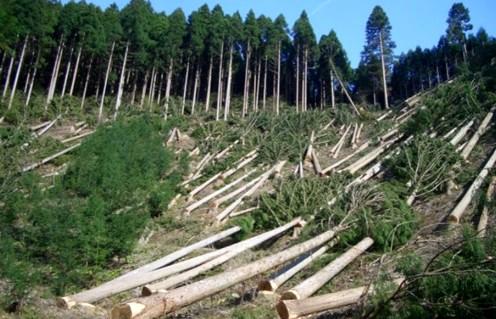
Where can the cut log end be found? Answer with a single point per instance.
(283, 311)
(290, 295)
(454, 220)
(146, 291)
(65, 302)
(127, 311)
(266, 285)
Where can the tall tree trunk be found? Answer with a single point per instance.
(135, 87)
(67, 71)
(151, 91)
(384, 79)
(168, 87)
(18, 72)
(143, 91)
(185, 90)
(4, 56)
(86, 82)
(264, 98)
(247, 82)
(120, 90)
(438, 75)
(229, 81)
(447, 68)
(55, 75)
(305, 80)
(259, 75)
(209, 84)
(9, 74)
(33, 77)
(76, 70)
(107, 73)
(160, 84)
(333, 94)
(196, 88)
(297, 78)
(278, 93)
(219, 84)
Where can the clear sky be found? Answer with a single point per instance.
(414, 22)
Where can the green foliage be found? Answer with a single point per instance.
(455, 283)
(424, 164)
(93, 214)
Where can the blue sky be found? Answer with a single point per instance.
(414, 22)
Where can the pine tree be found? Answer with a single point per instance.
(378, 51)
(458, 23)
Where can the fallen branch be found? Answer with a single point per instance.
(309, 286)
(462, 205)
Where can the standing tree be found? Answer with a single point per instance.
(277, 38)
(251, 43)
(234, 36)
(377, 54)
(458, 23)
(306, 46)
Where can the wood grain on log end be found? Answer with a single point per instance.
(127, 311)
(290, 295)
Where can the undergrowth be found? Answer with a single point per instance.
(92, 217)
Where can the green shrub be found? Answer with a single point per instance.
(94, 214)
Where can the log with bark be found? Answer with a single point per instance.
(204, 185)
(481, 226)
(457, 213)
(39, 126)
(316, 163)
(160, 304)
(245, 161)
(102, 291)
(341, 142)
(47, 127)
(292, 309)
(271, 284)
(177, 279)
(309, 286)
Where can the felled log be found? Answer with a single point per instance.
(216, 203)
(462, 205)
(97, 293)
(343, 160)
(271, 284)
(239, 166)
(461, 133)
(316, 163)
(481, 226)
(204, 185)
(309, 286)
(50, 158)
(475, 138)
(335, 147)
(39, 126)
(359, 133)
(227, 149)
(229, 209)
(383, 116)
(370, 157)
(341, 142)
(47, 127)
(244, 211)
(75, 138)
(207, 198)
(177, 279)
(354, 136)
(161, 304)
(79, 130)
(203, 164)
(292, 309)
